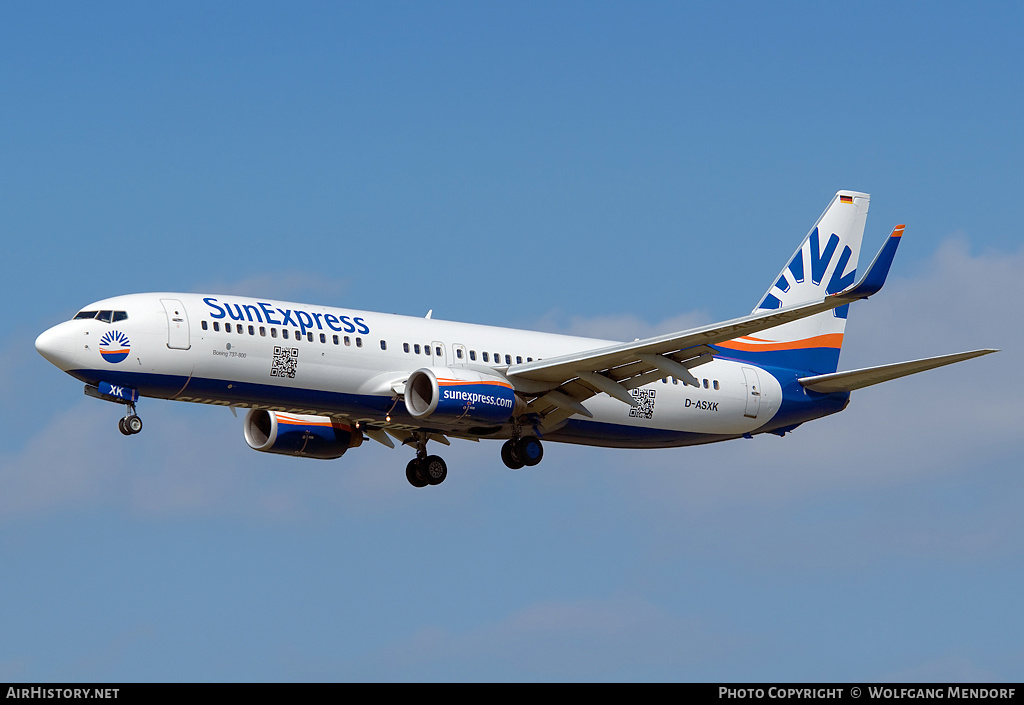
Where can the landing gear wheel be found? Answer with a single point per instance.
(510, 457)
(434, 469)
(122, 428)
(133, 424)
(412, 473)
(529, 450)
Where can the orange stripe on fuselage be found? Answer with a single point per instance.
(831, 340)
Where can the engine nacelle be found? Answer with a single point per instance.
(462, 395)
(297, 434)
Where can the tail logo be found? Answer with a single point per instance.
(812, 257)
(114, 346)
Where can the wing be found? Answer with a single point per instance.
(857, 379)
(561, 384)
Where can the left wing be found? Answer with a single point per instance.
(562, 383)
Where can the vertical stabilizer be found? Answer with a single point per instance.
(824, 263)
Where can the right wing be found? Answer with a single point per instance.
(857, 379)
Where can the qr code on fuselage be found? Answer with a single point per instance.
(286, 361)
(645, 403)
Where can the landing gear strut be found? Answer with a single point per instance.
(425, 469)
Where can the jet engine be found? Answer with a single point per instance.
(297, 434)
(462, 395)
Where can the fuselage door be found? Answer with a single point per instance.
(753, 392)
(177, 325)
(438, 354)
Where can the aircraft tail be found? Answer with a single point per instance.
(824, 263)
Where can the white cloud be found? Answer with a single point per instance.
(617, 326)
(187, 460)
(940, 423)
(902, 439)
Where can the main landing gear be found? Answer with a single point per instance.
(518, 452)
(425, 469)
(131, 423)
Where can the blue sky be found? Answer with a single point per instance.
(594, 168)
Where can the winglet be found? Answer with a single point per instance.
(878, 270)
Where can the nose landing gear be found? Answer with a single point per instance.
(131, 423)
(119, 394)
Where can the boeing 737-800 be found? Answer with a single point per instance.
(319, 380)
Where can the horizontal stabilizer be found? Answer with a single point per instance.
(855, 379)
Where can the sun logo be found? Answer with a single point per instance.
(114, 346)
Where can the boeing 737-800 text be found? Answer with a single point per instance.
(319, 380)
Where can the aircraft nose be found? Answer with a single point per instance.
(56, 346)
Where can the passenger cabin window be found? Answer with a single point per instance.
(284, 332)
(416, 348)
(359, 342)
(335, 340)
(203, 324)
(323, 337)
(716, 384)
(273, 332)
(216, 326)
(383, 345)
(252, 330)
(347, 340)
(458, 353)
(508, 359)
(485, 358)
(227, 327)
(472, 355)
(405, 346)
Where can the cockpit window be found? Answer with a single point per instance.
(105, 316)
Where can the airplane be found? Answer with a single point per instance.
(319, 380)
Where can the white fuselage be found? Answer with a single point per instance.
(350, 365)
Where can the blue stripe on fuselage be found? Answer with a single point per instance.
(798, 405)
